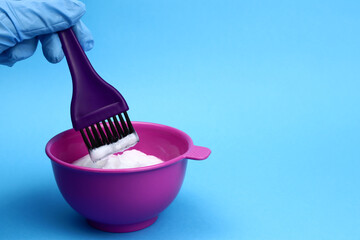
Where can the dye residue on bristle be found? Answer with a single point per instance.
(120, 145)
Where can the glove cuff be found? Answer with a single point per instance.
(7, 27)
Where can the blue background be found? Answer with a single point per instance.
(272, 87)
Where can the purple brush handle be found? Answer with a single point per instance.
(93, 99)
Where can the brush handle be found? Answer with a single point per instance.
(79, 65)
(93, 99)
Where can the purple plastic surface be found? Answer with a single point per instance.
(93, 99)
(124, 200)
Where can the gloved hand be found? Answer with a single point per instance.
(23, 23)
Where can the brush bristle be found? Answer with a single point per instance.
(113, 129)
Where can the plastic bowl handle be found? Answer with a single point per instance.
(198, 153)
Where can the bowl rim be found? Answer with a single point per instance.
(127, 170)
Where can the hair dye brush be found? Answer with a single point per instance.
(97, 108)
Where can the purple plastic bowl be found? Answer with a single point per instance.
(124, 200)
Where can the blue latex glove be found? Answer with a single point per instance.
(24, 23)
